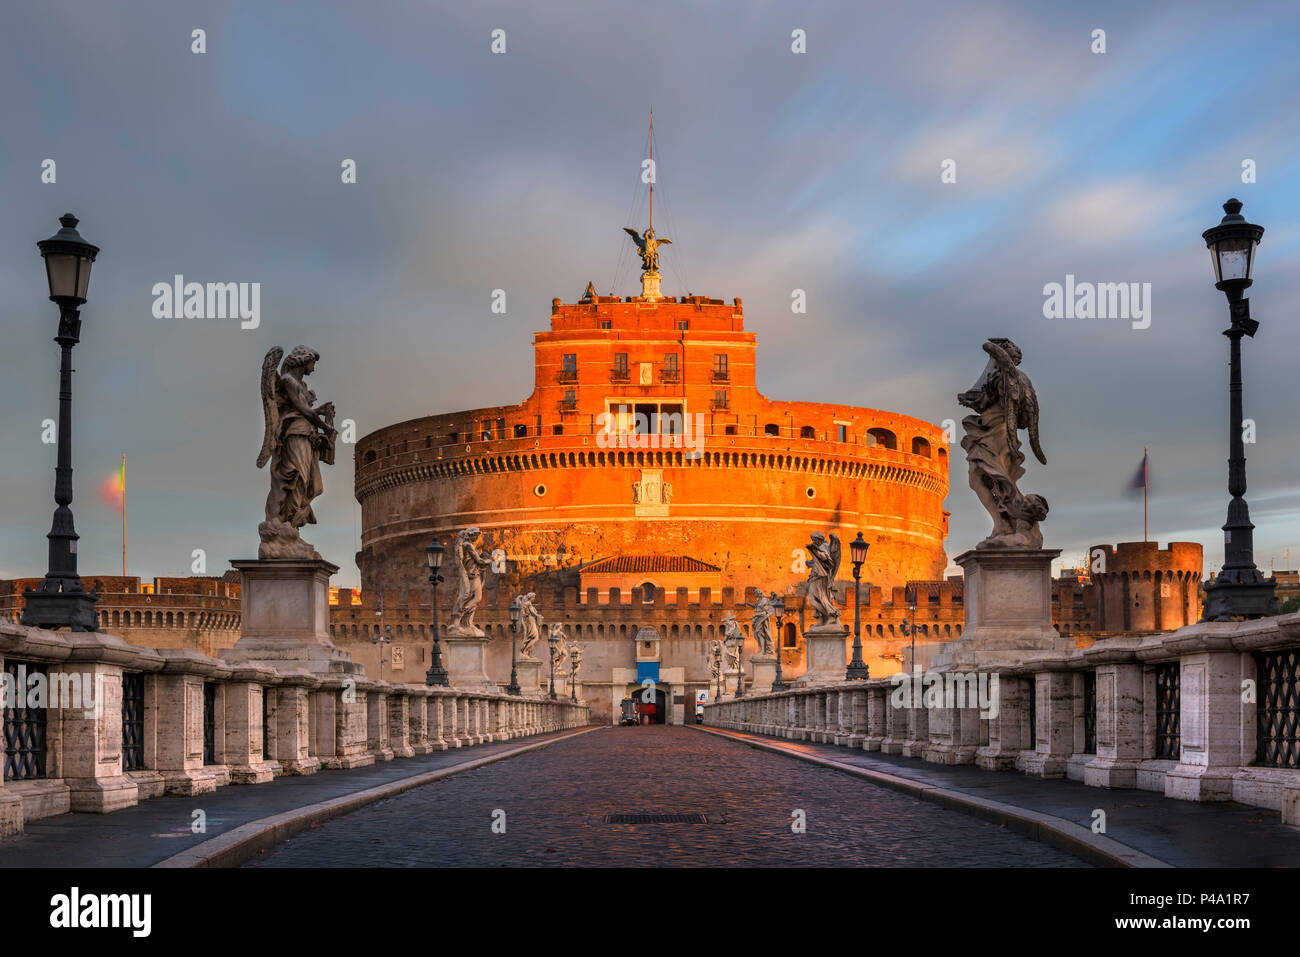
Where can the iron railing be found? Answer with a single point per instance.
(1278, 711)
(24, 727)
(1168, 710)
(132, 721)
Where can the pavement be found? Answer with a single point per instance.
(733, 805)
(1177, 833)
(160, 828)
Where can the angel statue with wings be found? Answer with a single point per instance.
(470, 565)
(1004, 402)
(761, 624)
(823, 566)
(299, 436)
(530, 623)
(647, 246)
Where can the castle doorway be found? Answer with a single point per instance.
(651, 703)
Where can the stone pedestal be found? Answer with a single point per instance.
(529, 671)
(763, 669)
(1008, 601)
(284, 617)
(826, 655)
(466, 660)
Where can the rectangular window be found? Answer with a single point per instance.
(670, 362)
(24, 727)
(557, 430)
(1168, 710)
(683, 325)
(1277, 714)
(209, 722)
(570, 362)
(132, 721)
(720, 365)
(841, 433)
(620, 362)
(606, 324)
(1090, 712)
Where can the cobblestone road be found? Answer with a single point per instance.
(555, 802)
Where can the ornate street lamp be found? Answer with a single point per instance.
(436, 676)
(552, 641)
(740, 647)
(60, 600)
(513, 687)
(387, 639)
(1240, 590)
(909, 628)
(857, 669)
(573, 676)
(778, 612)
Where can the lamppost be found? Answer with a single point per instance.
(513, 687)
(857, 670)
(1240, 590)
(552, 641)
(60, 600)
(909, 628)
(436, 676)
(740, 647)
(778, 612)
(387, 639)
(573, 675)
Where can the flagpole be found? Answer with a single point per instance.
(123, 514)
(1146, 487)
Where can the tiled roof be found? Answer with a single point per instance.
(647, 565)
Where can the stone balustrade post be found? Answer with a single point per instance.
(1119, 724)
(877, 701)
(1008, 723)
(244, 693)
(293, 728)
(399, 722)
(179, 705)
(895, 715)
(1053, 720)
(378, 722)
(1213, 723)
(419, 733)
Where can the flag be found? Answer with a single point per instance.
(1141, 480)
(112, 490)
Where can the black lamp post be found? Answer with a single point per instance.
(436, 676)
(60, 600)
(513, 687)
(909, 628)
(1240, 590)
(778, 612)
(740, 670)
(386, 639)
(857, 670)
(573, 676)
(551, 642)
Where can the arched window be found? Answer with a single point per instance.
(772, 429)
(807, 432)
(884, 437)
(791, 639)
(647, 593)
(920, 446)
(521, 431)
(370, 456)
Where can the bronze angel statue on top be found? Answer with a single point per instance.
(299, 436)
(648, 247)
(1004, 402)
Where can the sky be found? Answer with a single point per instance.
(778, 170)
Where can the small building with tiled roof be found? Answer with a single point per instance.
(649, 573)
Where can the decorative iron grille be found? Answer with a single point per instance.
(1090, 712)
(1278, 710)
(209, 723)
(132, 721)
(24, 727)
(1168, 710)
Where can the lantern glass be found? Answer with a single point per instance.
(1233, 258)
(858, 550)
(433, 555)
(67, 261)
(778, 606)
(514, 610)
